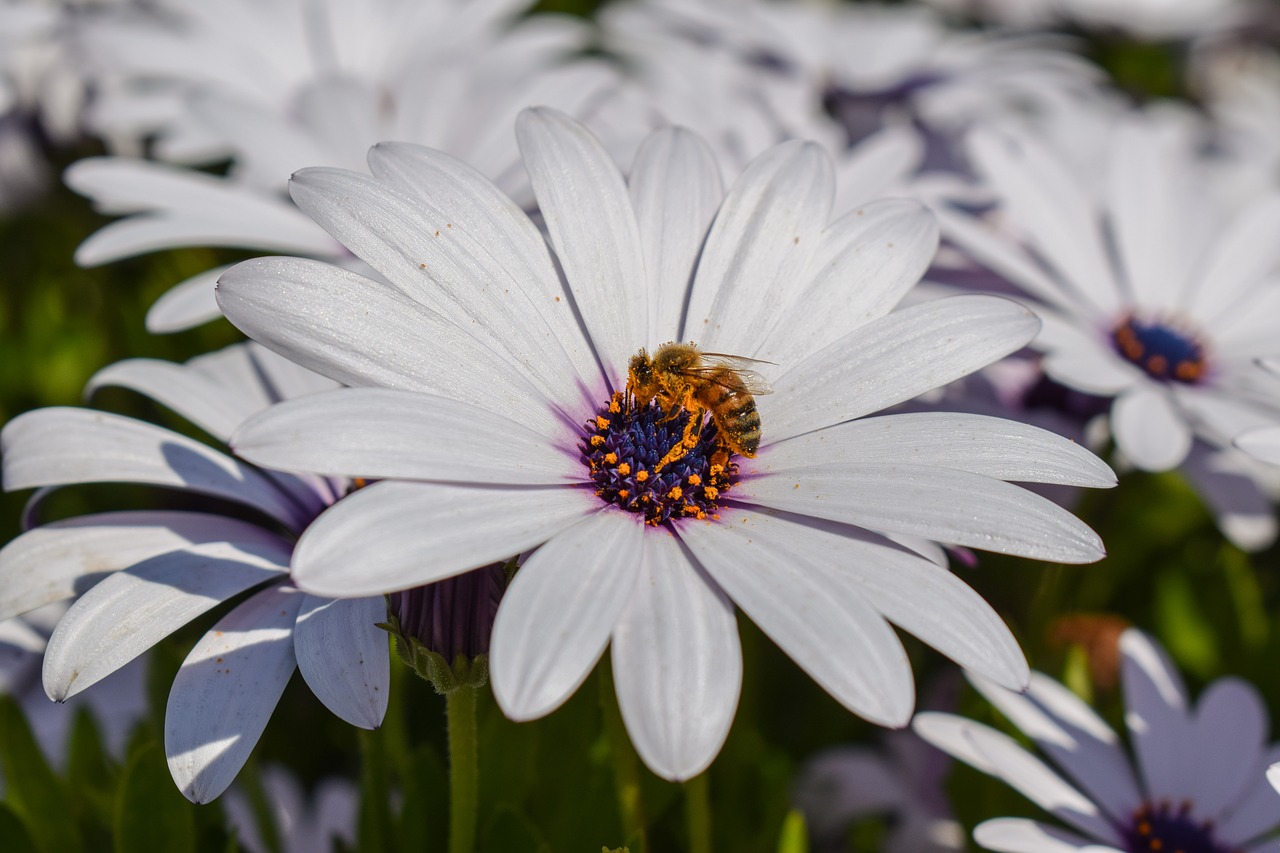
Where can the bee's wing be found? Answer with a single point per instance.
(753, 382)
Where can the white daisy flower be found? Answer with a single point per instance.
(503, 424)
(1198, 785)
(1147, 296)
(314, 83)
(143, 574)
(1263, 443)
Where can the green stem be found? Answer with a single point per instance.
(697, 799)
(464, 769)
(626, 769)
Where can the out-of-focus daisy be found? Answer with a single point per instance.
(143, 574)
(1263, 443)
(300, 823)
(1198, 785)
(314, 83)
(1147, 297)
(503, 423)
(1152, 20)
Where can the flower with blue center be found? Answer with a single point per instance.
(1199, 784)
(498, 417)
(1150, 296)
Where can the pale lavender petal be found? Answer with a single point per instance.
(133, 609)
(556, 617)
(1149, 429)
(60, 446)
(954, 507)
(1156, 714)
(894, 359)
(385, 433)
(1019, 835)
(677, 663)
(994, 447)
(343, 655)
(61, 559)
(1231, 728)
(592, 226)
(427, 532)
(1255, 813)
(226, 690)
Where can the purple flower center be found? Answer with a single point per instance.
(454, 616)
(1162, 351)
(624, 449)
(1161, 828)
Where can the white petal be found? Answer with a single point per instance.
(58, 560)
(994, 447)
(1156, 714)
(999, 755)
(876, 164)
(213, 407)
(816, 614)
(865, 262)
(343, 655)
(186, 305)
(1231, 729)
(1237, 500)
(677, 663)
(1075, 737)
(593, 228)
(556, 617)
(1019, 835)
(385, 433)
(676, 190)
(1242, 256)
(478, 208)
(361, 332)
(1079, 360)
(1262, 443)
(425, 532)
(893, 359)
(1149, 429)
(1044, 198)
(475, 280)
(133, 609)
(766, 231)
(949, 506)
(226, 690)
(58, 446)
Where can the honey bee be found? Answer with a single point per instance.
(680, 376)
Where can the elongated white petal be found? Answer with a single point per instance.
(1238, 501)
(677, 663)
(343, 655)
(556, 617)
(58, 560)
(1262, 443)
(1156, 714)
(1080, 361)
(186, 305)
(763, 237)
(1043, 197)
(474, 281)
(210, 405)
(1149, 429)
(425, 532)
(994, 447)
(1019, 835)
(1075, 737)
(877, 164)
(226, 690)
(1000, 755)
(58, 446)
(593, 228)
(361, 332)
(477, 206)
(949, 506)
(818, 617)
(133, 609)
(865, 262)
(675, 189)
(1243, 255)
(385, 433)
(893, 359)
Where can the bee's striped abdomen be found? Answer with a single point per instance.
(734, 411)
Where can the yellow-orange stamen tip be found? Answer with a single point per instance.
(624, 469)
(711, 493)
(693, 480)
(676, 493)
(611, 458)
(602, 422)
(622, 493)
(597, 440)
(614, 406)
(641, 476)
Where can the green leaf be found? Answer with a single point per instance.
(35, 793)
(794, 837)
(91, 777)
(510, 832)
(150, 813)
(14, 837)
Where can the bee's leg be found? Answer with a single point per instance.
(688, 441)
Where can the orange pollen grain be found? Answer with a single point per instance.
(624, 469)
(611, 458)
(597, 440)
(676, 493)
(694, 480)
(641, 476)
(602, 422)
